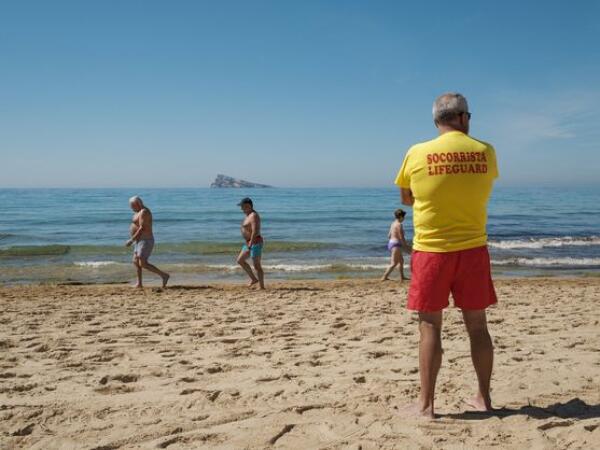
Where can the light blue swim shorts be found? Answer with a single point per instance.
(255, 250)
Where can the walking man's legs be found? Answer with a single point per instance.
(395, 260)
(143, 263)
(256, 261)
(401, 265)
(242, 261)
(138, 271)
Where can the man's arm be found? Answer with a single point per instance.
(403, 239)
(252, 230)
(407, 197)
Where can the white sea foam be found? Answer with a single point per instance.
(551, 242)
(338, 267)
(549, 262)
(299, 267)
(370, 266)
(96, 264)
(278, 267)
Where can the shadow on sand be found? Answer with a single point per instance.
(573, 409)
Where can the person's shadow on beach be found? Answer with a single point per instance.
(573, 409)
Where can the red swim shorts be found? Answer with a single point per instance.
(465, 273)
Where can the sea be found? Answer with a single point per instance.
(78, 235)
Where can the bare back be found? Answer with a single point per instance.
(396, 231)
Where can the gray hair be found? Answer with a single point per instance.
(136, 199)
(448, 105)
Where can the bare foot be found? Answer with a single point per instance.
(416, 411)
(478, 404)
(252, 283)
(385, 279)
(138, 286)
(166, 280)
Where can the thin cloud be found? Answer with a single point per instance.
(523, 120)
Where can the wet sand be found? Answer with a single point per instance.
(314, 364)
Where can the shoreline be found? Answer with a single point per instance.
(281, 281)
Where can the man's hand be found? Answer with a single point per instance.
(128, 243)
(407, 197)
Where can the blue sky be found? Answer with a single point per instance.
(307, 93)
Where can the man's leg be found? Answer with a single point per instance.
(241, 260)
(401, 265)
(152, 268)
(482, 354)
(138, 270)
(259, 271)
(392, 266)
(430, 358)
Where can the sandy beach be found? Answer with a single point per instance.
(314, 364)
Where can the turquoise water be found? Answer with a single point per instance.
(57, 235)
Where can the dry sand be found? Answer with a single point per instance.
(304, 365)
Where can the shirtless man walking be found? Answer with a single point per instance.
(253, 243)
(142, 240)
(396, 243)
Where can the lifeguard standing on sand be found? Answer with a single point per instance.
(448, 181)
(253, 243)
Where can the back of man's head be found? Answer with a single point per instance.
(136, 200)
(448, 106)
(399, 214)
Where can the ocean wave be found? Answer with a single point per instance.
(550, 242)
(549, 262)
(34, 250)
(216, 248)
(331, 267)
(97, 264)
(280, 267)
(190, 248)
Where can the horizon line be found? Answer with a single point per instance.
(389, 186)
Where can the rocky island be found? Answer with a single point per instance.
(223, 181)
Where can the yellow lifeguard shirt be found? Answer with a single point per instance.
(451, 179)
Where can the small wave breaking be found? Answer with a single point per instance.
(565, 262)
(326, 267)
(185, 248)
(97, 264)
(550, 242)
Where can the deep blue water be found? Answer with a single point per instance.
(78, 234)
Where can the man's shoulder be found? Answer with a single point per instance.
(421, 146)
(415, 149)
(484, 143)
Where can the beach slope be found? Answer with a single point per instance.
(315, 364)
